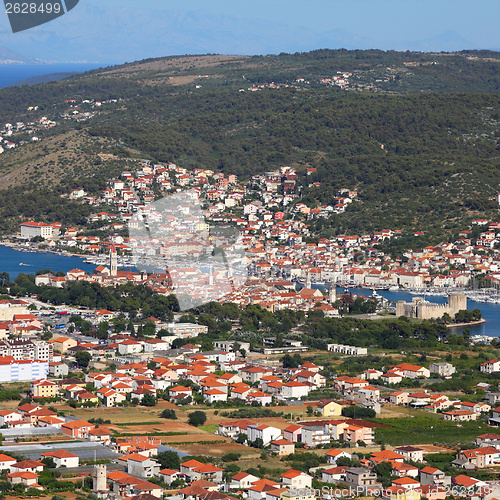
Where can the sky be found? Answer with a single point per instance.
(118, 30)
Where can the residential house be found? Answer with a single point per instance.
(334, 474)
(296, 479)
(63, 458)
(264, 432)
(282, 447)
(356, 477)
(333, 455)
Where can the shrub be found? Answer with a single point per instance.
(197, 418)
(168, 413)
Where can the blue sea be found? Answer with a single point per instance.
(15, 262)
(12, 73)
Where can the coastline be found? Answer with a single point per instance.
(460, 325)
(21, 248)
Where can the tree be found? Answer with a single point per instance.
(168, 460)
(168, 413)
(148, 400)
(241, 438)
(83, 358)
(49, 462)
(197, 418)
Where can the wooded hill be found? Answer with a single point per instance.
(416, 134)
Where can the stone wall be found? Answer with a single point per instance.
(420, 309)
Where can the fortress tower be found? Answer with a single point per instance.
(99, 479)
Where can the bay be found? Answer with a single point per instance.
(10, 262)
(12, 73)
(15, 262)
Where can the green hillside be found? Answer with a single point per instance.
(416, 134)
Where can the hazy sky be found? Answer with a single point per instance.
(474, 20)
(119, 30)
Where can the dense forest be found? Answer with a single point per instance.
(416, 134)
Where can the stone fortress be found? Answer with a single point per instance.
(421, 309)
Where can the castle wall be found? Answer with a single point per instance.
(420, 309)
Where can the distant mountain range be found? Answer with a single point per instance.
(96, 33)
(8, 56)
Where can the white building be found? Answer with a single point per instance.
(17, 371)
(294, 390)
(32, 229)
(186, 329)
(63, 458)
(490, 366)
(442, 369)
(264, 432)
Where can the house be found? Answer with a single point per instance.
(411, 453)
(313, 436)
(459, 415)
(329, 408)
(28, 479)
(403, 469)
(233, 428)
(44, 389)
(180, 391)
(260, 397)
(194, 470)
(479, 457)
(252, 374)
(129, 347)
(6, 462)
(139, 465)
(296, 479)
(168, 476)
(433, 477)
(442, 369)
(129, 486)
(491, 366)
(355, 433)
(413, 371)
(334, 474)
(77, 428)
(264, 432)
(58, 369)
(356, 477)
(27, 466)
(384, 456)
(62, 344)
(63, 458)
(100, 435)
(214, 395)
(295, 390)
(242, 481)
(282, 447)
(406, 483)
(110, 397)
(293, 433)
(258, 490)
(8, 416)
(333, 455)
(398, 398)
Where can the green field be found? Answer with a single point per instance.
(429, 428)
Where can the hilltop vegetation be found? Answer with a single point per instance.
(416, 134)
